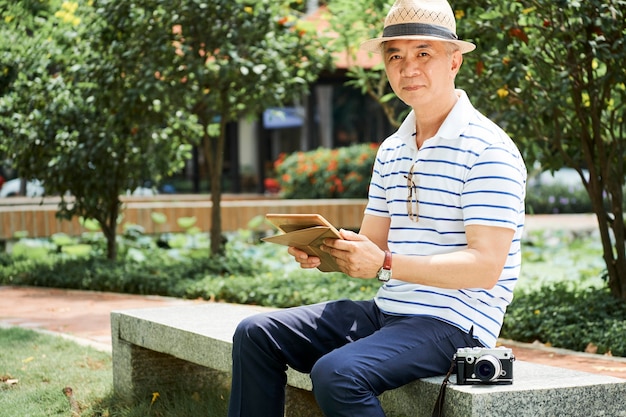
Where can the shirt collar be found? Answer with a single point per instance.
(458, 118)
(452, 126)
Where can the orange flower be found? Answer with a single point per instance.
(280, 159)
(339, 185)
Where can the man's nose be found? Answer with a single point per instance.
(410, 67)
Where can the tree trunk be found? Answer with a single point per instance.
(616, 262)
(109, 229)
(603, 159)
(617, 276)
(214, 155)
(601, 186)
(216, 217)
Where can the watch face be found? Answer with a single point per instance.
(384, 275)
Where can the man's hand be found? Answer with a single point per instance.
(305, 260)
(356, 255)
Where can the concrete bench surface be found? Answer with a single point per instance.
(150, 347)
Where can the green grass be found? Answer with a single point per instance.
(35, 368)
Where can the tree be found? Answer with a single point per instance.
(86, 120)
(351, 26)
(230, 59)
(25, 26)
(551, 73)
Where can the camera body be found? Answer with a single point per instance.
(484, 366)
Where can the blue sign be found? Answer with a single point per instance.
(281, 118)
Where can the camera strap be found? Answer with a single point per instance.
(438, 410)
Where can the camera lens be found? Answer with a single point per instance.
(487, 368)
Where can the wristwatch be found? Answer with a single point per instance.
(384, 274)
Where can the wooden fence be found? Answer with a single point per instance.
(37, 218)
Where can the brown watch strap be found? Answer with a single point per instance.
(387, 262)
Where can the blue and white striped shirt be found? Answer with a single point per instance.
(469, 173)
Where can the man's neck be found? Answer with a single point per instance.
(429, 120)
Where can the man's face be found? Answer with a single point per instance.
(421, 71)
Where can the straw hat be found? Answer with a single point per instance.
(419, 19)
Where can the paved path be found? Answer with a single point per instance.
(577, 222)
(84, 317)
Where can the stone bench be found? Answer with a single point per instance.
(153, 349)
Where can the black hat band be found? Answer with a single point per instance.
(420, 29)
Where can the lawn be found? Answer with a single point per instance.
(36, 369)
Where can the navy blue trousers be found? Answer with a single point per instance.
(352, 350)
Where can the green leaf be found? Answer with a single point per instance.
(186, 222)
(158, 218)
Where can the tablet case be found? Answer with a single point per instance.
(307, 233)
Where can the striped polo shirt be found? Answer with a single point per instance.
(469, 173)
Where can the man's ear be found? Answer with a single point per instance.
(456, 62)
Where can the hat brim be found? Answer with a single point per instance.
(374, 45)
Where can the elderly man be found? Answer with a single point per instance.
(441, 231)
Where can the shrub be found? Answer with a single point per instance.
(327, 173)
(215, 278)
(154, 272)
(557, 199)
(568, 317)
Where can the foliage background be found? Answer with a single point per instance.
(80, 112)
(99, 97)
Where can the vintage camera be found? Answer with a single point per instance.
(484, 366)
